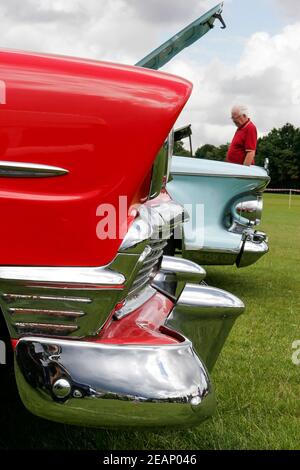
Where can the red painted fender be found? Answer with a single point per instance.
(102, 122)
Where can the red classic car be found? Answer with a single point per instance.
(106, 330)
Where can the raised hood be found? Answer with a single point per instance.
(187, 36)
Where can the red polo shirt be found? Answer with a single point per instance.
(244, 139)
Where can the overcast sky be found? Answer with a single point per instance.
(255, 61)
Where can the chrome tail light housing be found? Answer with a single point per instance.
(248, 212)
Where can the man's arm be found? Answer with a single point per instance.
(250, 154)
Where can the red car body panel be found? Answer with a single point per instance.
(92, 119)
(144, 326)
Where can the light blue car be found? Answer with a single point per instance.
(225, 204)
(223, 200)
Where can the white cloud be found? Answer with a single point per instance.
(266, 79)
(97, 29)
(290, 8)
(117, 30)
(169, 10)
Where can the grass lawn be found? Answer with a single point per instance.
(257, 385)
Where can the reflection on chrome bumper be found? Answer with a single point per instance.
(211, 256)
(205, 315)
(140, 385)
(183, 269)
(255, 246)
(104, 385)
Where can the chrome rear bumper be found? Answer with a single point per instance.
(112, 385)
(250, 248)
(254, 247)
(92, 384)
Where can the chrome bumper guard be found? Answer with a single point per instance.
(99, 385)
(110, 385)
(254, 247)
(174, 273)
(205, 315)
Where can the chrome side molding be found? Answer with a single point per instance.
(29, 170)
(64, 301)
(265, 179)
(80, 276)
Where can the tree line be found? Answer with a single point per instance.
(281, 146)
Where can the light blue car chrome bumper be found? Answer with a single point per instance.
(111, 385)
(255, 246)
(247, 253)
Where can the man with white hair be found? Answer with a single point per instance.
(243, 146)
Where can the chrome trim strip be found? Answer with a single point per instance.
(123, 385)
(9, 298)
(77, 275)
(147, 267)
(217, 250)
(41, 328)
(63, 289)
(50, 313)
(29, 170)
(93, 345)
(221, 175)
